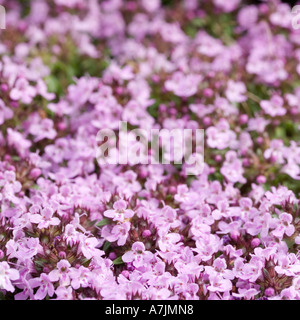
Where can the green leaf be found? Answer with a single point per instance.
(103, 222)
(198, 22)
(15, 158)
(86, 262)
(289, 242)
(106, 246)
(50, 113)
(53, 84)
(118, 261)
(280, 133)
(153, 110)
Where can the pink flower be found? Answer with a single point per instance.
(44, 285)
(183, 85)
(292, 169)
(88, 247)
(151, 6)
(220, 268)
(167, 240)
(44, 217)
(118, 233)
(227, 6)
(23, 91)
(281, 16)
(252, 270)
(220, 136)
(5, 112)
(138, 255)
(219, 284)
(276, 151)
(246, 294)
(284, 226)
(64, 293)
(257, 124)
(206, 246)
(288, 265)
(184, 195)
(247, 16)
(232, 168)
(16, 139)
(120, 213)
(61, 273)
(61, 108)
(160, 294)
(80, 277)
(7, 274)
(199, 228)
(171, 32)
(43, 91)
(221, 211)
(10, 186)
(115, 72)
(182, 232)
(43, 129)
(274, 107)
(236, 91)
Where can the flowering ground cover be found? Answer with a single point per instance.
(74, 228)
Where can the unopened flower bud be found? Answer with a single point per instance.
(260, 140)
(173, 111)
(163, 108)
(146, 233)
(246, 162)
(244, 119)
(207, 121)
(217, 84)
(4, 87)
(131, 6)
(208, 92)
(7, 157)
(155, 78)
(35, 173)
(46, 269)
(125, 273)
(143, 172)
(22, 26)
(244, 152)
(261, 179)
(61, 126)
(14, 104)
(263, 8)
(235, 235)
(269, 292)
(226, 240)
(218, 158)
(119, 90)
(62, 255)
(255, 242)
(172, 190)
(273, 158)
(294, 111)
(112, 256)
(130, 266)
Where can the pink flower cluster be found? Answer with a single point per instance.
(73, 229)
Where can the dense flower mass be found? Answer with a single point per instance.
(71, 228)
